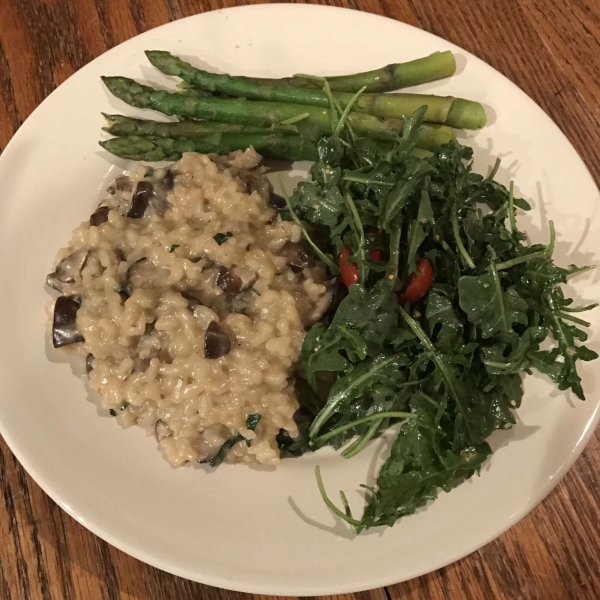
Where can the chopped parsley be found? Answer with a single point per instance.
(251, 423)
(221, 238)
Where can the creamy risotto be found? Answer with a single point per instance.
(189, 297)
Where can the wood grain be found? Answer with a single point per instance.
(550, 49)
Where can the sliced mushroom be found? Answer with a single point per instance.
(232, 283)
(298, 254)
(64, 323)
(216, 342)
(255, 181)
(320, 308)
(144, 192)
(168, 181)
(99, 216)
(159, 202)
(127, 287)
(68, 271)
(120, 184)
(284, 439)
(161, 431)
(138, 273)
(228, 281)
(276, 201)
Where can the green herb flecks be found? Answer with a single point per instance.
(221, 238)
(251, 423)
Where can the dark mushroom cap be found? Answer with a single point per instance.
(298, 254)
(128, 283)
(283, 439)
(141, 199)
(228, 281)
(64, 323)
(276, 201)
(216, 342)
(99, 216)
(67, 271)
(168, 180)
(122, 184)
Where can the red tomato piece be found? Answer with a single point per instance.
(418, 283)
(376, 254)
(349, 271)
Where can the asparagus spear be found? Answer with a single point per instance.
(439, 108)
(240, 111)
(391, 77)
(152, 148)
(122, 125)
(271, 145)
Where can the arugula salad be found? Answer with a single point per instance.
(444, 305)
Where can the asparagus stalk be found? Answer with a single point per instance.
(391, 77)
(271, 145)
(152, 148)
(439, 108)
(122, 125)
(240, 111)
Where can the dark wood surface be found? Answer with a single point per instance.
(549, 48)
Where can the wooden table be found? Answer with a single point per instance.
(550, 49)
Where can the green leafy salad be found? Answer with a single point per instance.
(446, 307)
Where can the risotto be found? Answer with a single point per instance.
(189, 297)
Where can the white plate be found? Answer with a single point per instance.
(242, 528)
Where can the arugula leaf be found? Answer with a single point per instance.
(417, 466)
(419, 229)
(443, 325)
(416, 172)
(381, 371)
(488, 305)
(319, 206)
(495, 357)
(321, 351)
(371, 313)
